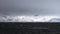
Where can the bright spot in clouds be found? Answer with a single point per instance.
(27, 18)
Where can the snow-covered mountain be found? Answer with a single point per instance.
(54, 20)
(29, 19)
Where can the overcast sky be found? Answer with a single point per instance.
(29, 7)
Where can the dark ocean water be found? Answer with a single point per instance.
(29, 28)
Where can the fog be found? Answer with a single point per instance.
(29, 7)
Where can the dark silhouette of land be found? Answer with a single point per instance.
(29, 28)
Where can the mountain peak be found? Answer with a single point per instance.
(54, 20)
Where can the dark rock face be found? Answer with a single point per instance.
(29, 28)
(36, 15)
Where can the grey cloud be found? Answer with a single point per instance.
(29, 7)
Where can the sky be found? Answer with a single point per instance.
(29, 7)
